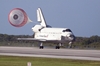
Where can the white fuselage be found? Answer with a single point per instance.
(54, 34)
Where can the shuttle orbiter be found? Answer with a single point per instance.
(46, 33)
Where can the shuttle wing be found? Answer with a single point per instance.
(31, 39)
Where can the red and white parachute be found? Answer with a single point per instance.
(18, 17)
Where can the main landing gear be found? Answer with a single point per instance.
(41, 45)
(58, 46)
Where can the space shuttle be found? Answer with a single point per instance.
(46, 33)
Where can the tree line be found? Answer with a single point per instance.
(88, 42)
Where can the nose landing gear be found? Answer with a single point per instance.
(70, 45)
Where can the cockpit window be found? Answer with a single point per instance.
(67, 30)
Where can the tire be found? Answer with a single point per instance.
(41, 47)
(57, 47)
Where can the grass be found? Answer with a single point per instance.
(22, 61)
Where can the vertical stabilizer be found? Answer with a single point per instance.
(41, 18)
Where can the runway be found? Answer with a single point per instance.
(51, 53)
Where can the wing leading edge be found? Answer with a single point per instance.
(33, 39)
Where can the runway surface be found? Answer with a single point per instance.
(51, 53)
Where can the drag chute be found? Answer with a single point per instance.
(18, 17)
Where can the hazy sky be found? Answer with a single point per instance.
(81, 16)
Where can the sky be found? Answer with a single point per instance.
(81, 16)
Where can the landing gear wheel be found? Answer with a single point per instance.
(57, 47)
(41, 47)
